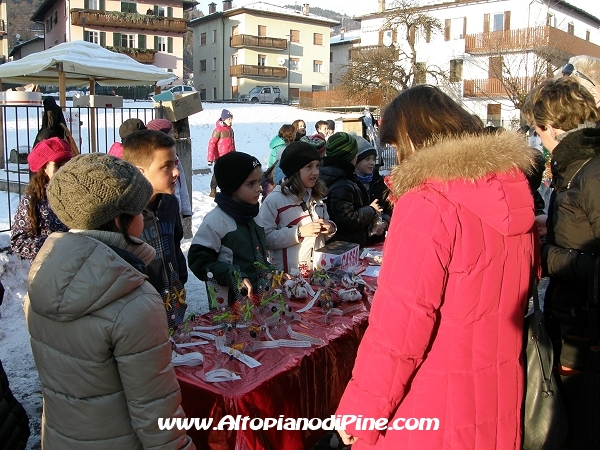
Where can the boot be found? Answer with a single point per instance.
(213, 192)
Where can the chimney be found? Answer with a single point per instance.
(381, 6)
(212, 8)
(227, 5)
(306, 9)
(342, 34)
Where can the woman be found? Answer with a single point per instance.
(445, 333)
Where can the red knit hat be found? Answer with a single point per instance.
(163, 125)
(54, 149)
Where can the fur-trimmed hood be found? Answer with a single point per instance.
(484, 174)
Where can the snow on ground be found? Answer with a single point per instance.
(254, 126)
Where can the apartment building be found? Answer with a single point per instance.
(3, 33)
(340, 54)
(485, 41)
(237, 49)
(148, 32)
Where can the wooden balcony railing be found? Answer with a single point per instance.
(145, 56)
(245, 70)
(128, 20)
(247, 40)
(493, 87)
(541, 39)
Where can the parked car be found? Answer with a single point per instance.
(262, 94)
(176, 90)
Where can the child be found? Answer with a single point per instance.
(230, 240)
(34, 219)
(98, 332)
(221, 142)
(154, 154)
(126, 128)
(347, 200)
(322, 128)
(300, 127)
(368, 175)
(181, 192)
(285, 135)
(294, 216)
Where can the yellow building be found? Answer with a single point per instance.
(3, 33)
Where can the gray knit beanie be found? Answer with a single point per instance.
(365, 148)
(93, 189)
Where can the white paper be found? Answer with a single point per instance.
(371, 271)
(218, 375)
(189, 359)
(210, 337)
(259, 345)
(311, 303)
(191, 344)
(304, 337)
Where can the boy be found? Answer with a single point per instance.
(220, 143)
(230, 238)
(153, 153)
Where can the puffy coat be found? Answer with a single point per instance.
(445, 332)
(277, 145)
(101, 346)
(281, 216)
(573, 222)
(347, 201)
(221, 141)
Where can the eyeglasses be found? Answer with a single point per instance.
(570, 69)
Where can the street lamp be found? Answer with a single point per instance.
(289, 66)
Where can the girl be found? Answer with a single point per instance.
(445, 334)
(294, 216)
(34, 219)
(91, 312)
(300, 127)
(221, 142)
(286, 134)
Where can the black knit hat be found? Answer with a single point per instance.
(232, 169)
(130, 126)
(342, 145)
(365, 148)
(296, 155)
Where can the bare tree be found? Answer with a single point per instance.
(393, 65)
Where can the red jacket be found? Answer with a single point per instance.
(445, 332)
(221, 141)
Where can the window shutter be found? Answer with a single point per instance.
(169, 11)
(142, 41)
(156, 10)
(86, 36)
(411, 35)
(447, 30)
(486, 23)
(116, 39)
(506, 20)
(155, 42)
(102, 5)
(86, 5)
(395, 36)
(103, 38)
(170, 45)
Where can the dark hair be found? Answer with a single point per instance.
(421, 114)
(37, 193)
(331, 124)
(287, 132)
(319, 124)
(139, 146)
(293, 185)
(124, 221)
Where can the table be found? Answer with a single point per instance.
(293, 382)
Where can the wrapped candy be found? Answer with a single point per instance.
(297, 288)
(349, 295)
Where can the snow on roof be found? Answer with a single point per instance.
(267, 7)
(348, 37)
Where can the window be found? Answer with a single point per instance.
(214, 64)
(295, 36)
(318, 66)
(318, 39)
(262, 60)
(214, 36)
(214, 93)
(456, 66)
(571, 28)
(127, 7)
(294, 63)
(49, 24)
(457, 28)
(498, 22)
(92, 36)
(160, 43)
(587, 35)
(202, 38)
(202, 94)
(495, 67)
(234, 30)
(551, 20)
(421, 73)
(202, 65)
(169, 45)
(159, 11)
(387, 37)
(55, 17)
(262, 30)
(128, 41)
(92, 4)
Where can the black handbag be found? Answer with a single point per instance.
(545, 422)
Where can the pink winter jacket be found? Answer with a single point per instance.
(445, 333)
(221, 141)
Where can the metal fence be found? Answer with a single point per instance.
(93, 129)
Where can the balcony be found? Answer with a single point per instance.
(493, 87)
(548, 40)
(356, 52)
(247, 40)
(2, 27)
(144, 56)
(128, 20)
(245, 70)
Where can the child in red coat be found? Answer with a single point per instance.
(221, 142)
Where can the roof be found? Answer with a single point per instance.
(441, 3)
(24, 43)
(349, 37)
(268, 10)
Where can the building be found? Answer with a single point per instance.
(486, 45)
(24, 48)
(237, 49)
(340, 54)
(150, 33)
(3, 33)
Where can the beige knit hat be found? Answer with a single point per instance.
(93, 189)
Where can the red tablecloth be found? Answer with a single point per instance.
(293, 382)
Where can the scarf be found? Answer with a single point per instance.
(366, 179)
(240, 212)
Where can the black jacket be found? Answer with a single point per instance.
(377, 190)
(347, 201)
(573, 221)
(14, 423)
